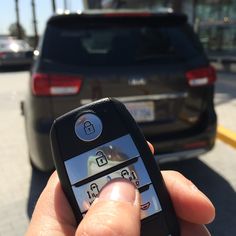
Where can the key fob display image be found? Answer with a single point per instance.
(99, 142)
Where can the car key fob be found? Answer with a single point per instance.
(99, 142)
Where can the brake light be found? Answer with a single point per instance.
(201, 76)
(127, 14)
(197, 144)
(55, 85)
(2, 54)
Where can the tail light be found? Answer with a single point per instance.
(2, 54)
(55, 85)
(197, 144)
(201, 76)
(128, 14)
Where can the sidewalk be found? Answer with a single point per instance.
(227, 68)
(225, 105)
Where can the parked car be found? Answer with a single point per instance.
(15, 52)
(154, 63)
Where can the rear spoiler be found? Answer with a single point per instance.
(94, 17)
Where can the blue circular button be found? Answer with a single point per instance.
(88, 127)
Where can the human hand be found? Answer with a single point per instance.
(119, 202)
(117, 210)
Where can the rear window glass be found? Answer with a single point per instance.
(120, 45)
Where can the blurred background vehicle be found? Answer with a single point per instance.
(154, 63)
(15, 52)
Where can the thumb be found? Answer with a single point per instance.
(115, 212)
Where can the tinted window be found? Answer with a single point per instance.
(120, 45)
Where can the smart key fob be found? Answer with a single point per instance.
(101, 141)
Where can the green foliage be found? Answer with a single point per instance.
(18, 32)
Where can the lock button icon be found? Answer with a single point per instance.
(88, 127)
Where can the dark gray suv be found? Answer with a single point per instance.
(154, 63)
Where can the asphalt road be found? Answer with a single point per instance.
(214, 173)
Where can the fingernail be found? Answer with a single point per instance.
(119, 190)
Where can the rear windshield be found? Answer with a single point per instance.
(120, 45)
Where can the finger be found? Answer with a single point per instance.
(190, 204)
(52, 214)
(190, 229)
(115, 212)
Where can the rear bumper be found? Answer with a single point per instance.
(15, 61)
(168, 146)
(184, 148)
(187, 144)
(175, 148)
(176, 156)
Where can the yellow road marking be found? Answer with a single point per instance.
(226, 135)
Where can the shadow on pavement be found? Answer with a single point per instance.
(38, 182)
(225, 88)
(8, 69)
(212, 184)
(216, 188)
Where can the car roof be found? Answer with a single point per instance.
(128, 14)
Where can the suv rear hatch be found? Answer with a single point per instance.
(153, 63)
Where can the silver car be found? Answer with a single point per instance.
(15, 52)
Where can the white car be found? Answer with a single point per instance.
(15, 52)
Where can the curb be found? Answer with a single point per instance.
(226, 136)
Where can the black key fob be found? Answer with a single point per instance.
(101, 141)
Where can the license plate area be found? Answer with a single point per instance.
(141, 111)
